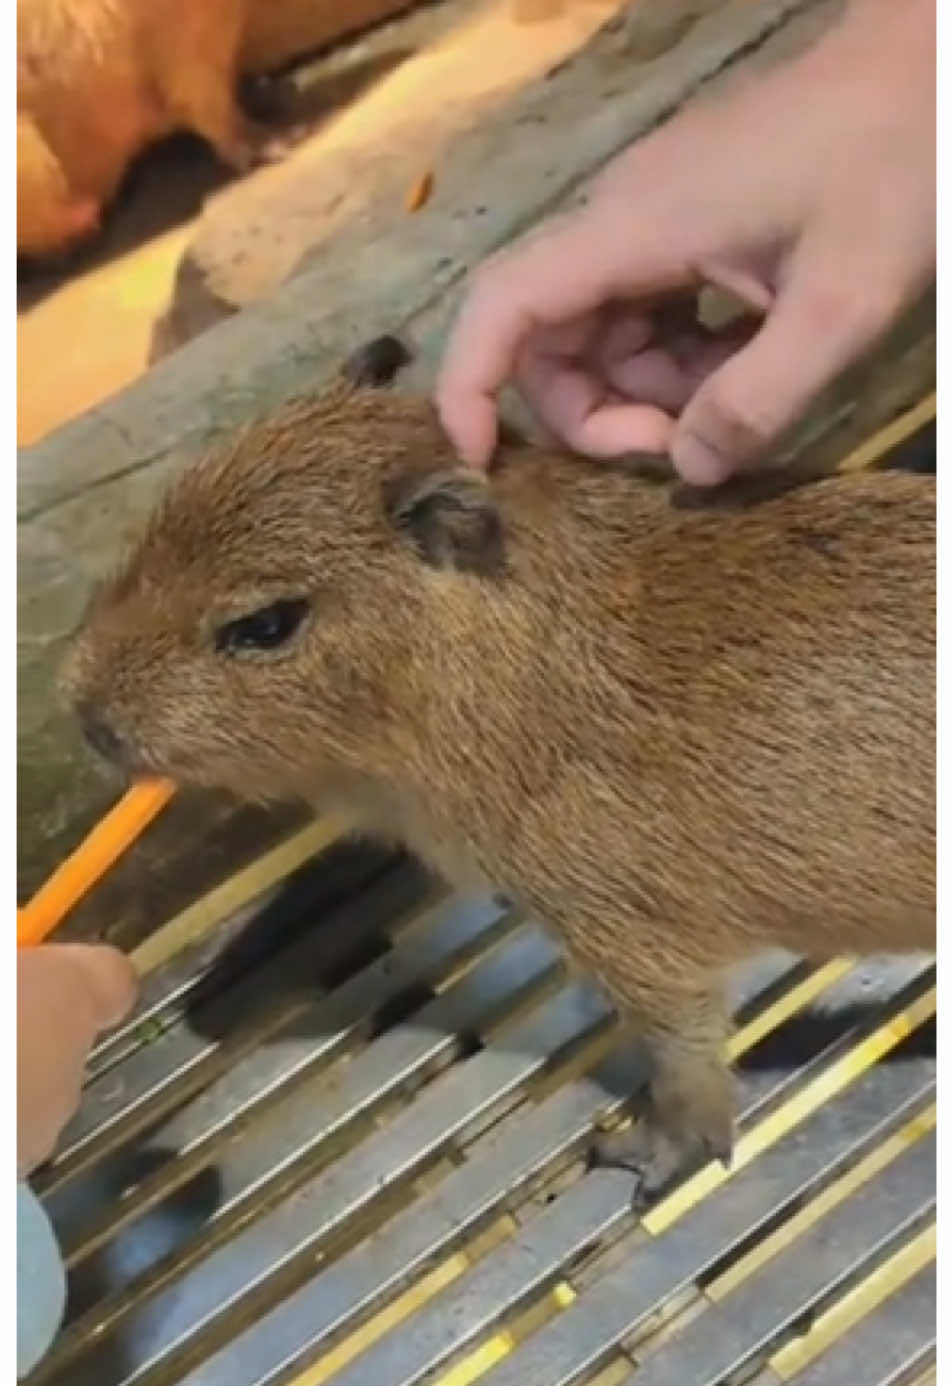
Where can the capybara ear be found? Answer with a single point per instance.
(451, 518)
(376, 363)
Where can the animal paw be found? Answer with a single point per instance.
(255, 146)
(274, 148)
(688, 1121)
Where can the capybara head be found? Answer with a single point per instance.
(279, 616)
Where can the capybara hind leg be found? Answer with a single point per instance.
(207, 103)
(216, 116)
(687, 1113)
(195, 60)
(240, 142)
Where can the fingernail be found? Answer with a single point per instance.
(699, 463)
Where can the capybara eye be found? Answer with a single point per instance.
(262, 630)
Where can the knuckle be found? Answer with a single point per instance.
(827, 305)
(877, 306)
(737, 424)
(854, 307)
(834, 314)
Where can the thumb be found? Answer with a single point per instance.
(821, 321)
(109, 980)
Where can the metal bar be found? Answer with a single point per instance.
(848, 1309)
(175, 1149)
(166, 992)
(511, 1277)
(116, 1317)
(288, 1237)
(181, 1060)
(374, 1271)
(891, 1081)
(280, 1150)
(490, 1293)
(889, 1346)
(741, 1326)
(347, 1292)
(582, 1338)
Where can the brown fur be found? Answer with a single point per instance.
(98, 80)
(678, 735)
(101, 79)
(49, 213)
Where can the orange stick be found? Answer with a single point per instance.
(91, 860)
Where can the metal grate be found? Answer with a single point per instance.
(354, 1154)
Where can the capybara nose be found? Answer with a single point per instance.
(101, 737)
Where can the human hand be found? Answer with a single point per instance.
(66, 994)
(809, 194)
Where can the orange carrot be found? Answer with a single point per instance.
(91, 860)
(420, 191)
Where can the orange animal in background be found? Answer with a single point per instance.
(49, 213)
(98, 80)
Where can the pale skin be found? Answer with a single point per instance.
(808, 193)
(67, 994)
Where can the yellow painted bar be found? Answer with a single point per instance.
(889, 1277)
(885, 439)
(219, 904)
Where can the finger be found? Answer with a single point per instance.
(622, 332)
(568, 272)
(669, 375)
(616, 429)
(45, 1108)
(558, 390)
(109, 980)
(578, 408)
(573, 338)
(478, 435)
(817, 327)
(581, 343)
(652, 376)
